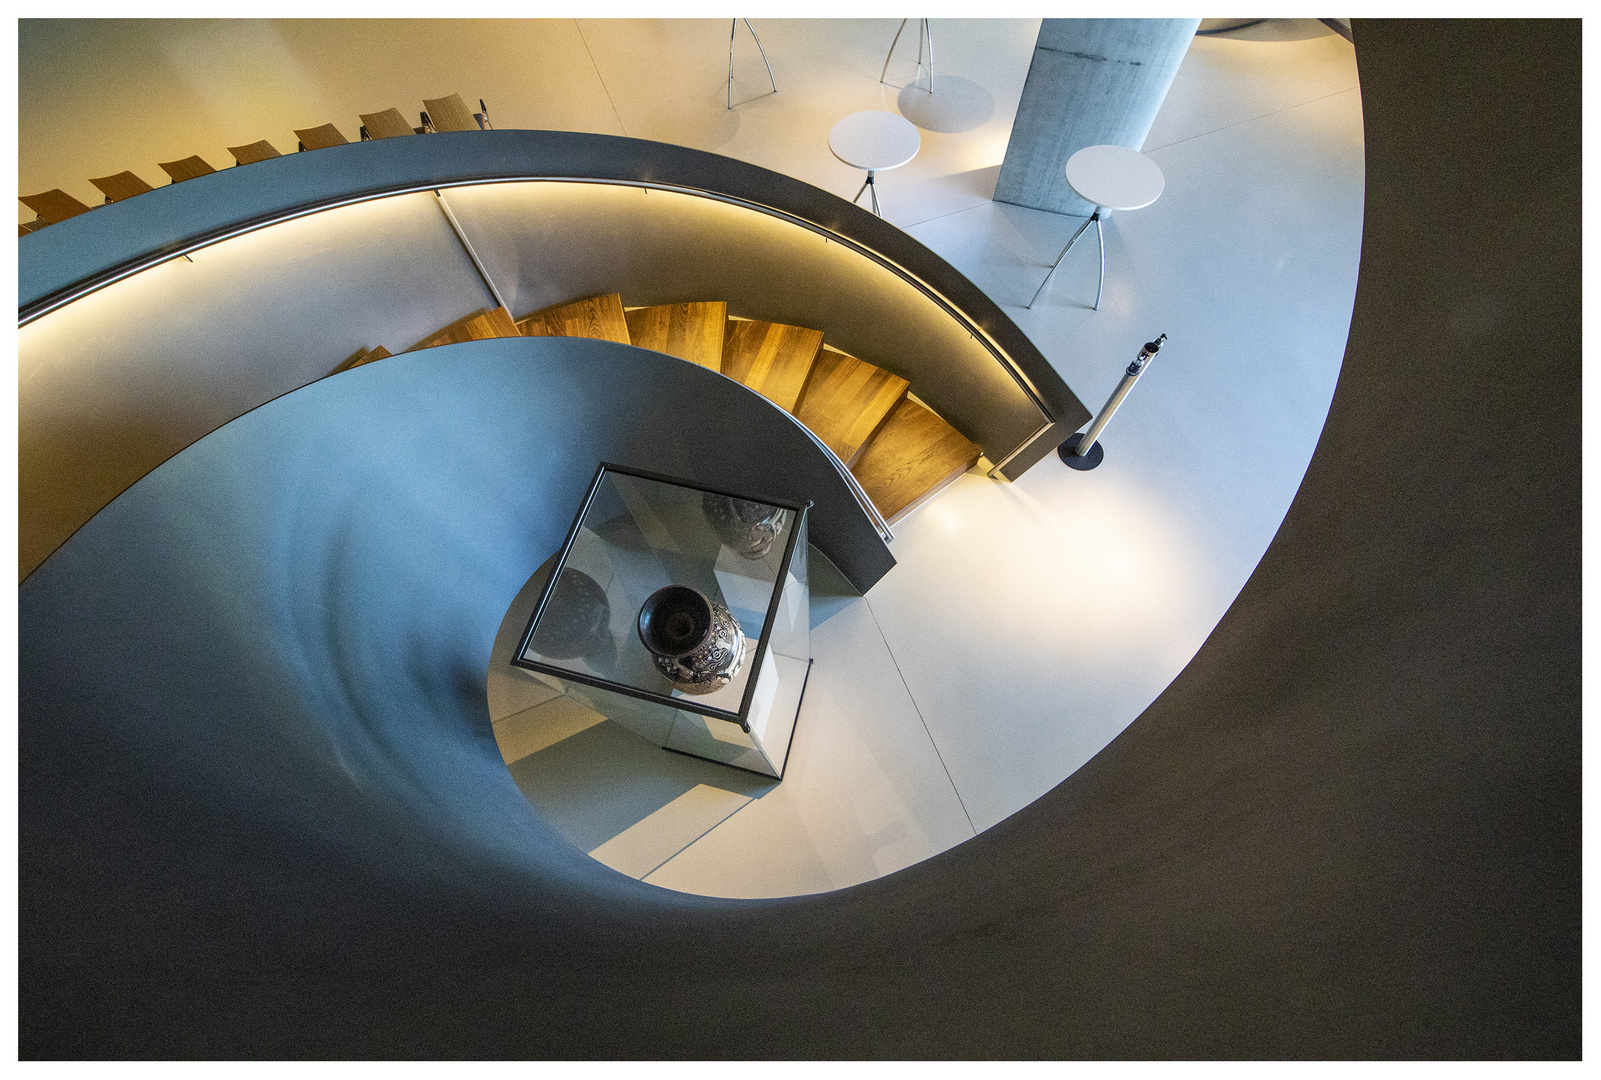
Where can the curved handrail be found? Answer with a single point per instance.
(89, 252)
(872, 511)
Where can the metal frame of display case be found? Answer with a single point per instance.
(686, 704)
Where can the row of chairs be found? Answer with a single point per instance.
(439, 114)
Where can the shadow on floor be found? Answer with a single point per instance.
(956, 105)
(604, 780)
(596, 784)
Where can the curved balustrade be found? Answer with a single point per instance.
(297, 261)
(63, 263)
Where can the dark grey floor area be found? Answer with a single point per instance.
(1350, 828)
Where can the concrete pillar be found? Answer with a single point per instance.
(1092, 81)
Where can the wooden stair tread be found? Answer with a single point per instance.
(914, 455)
(596, 317)
(772, 359)
(388, 124)
(449, 114)
(481, 324)
(253, 152)
(119, 186)
(54, 205)
(186, 168)
(320, 137)
(692, 332)
(361, 356)
(846, 401)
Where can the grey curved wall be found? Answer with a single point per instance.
(1349, 829)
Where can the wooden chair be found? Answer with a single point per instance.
(54, 205)
(448, 114)
(253, 152)
(119, 186)
(186, 168)
(388, 124)
(320, 138)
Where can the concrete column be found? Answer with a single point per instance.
(1091, 82)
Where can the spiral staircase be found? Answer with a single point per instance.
(900, 451)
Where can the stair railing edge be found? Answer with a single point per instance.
(65, 294)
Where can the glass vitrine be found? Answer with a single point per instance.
(681, 613)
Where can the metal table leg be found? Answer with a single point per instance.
(733, 28)
(1100, 236)
(928, 32)
(869, 186)
(924, 30)
(1096, 219)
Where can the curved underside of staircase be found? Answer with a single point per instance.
(900, 452)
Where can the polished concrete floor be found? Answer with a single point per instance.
(1026, 624)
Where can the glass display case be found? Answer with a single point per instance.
(682, 614)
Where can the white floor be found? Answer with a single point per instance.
(1026, 624)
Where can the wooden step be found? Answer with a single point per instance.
(361, 356)
(320, 138)
(54, 205)
(846, 401)
(188, 168)
(449, 114)
(388, 124)
(481, 324)
(251, 153)
(771, 358)
(912, 457)
(597, 317)
(119, 186)
(692, 332)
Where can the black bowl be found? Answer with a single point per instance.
(675, 621)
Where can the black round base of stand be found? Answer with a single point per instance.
(1068, 452)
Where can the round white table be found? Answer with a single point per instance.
(1113, 178)
(874, 140)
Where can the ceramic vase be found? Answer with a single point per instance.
(696, 642)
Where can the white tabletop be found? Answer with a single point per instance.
(874, 140)
(1115, 177)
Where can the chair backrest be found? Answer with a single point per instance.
(119, 186)
(186, 168)
(54, 205)
(386, 125)
(450, 114)
(256, 151)
(320, 138)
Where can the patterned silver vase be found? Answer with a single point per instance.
(748, 527)
(696, 642)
